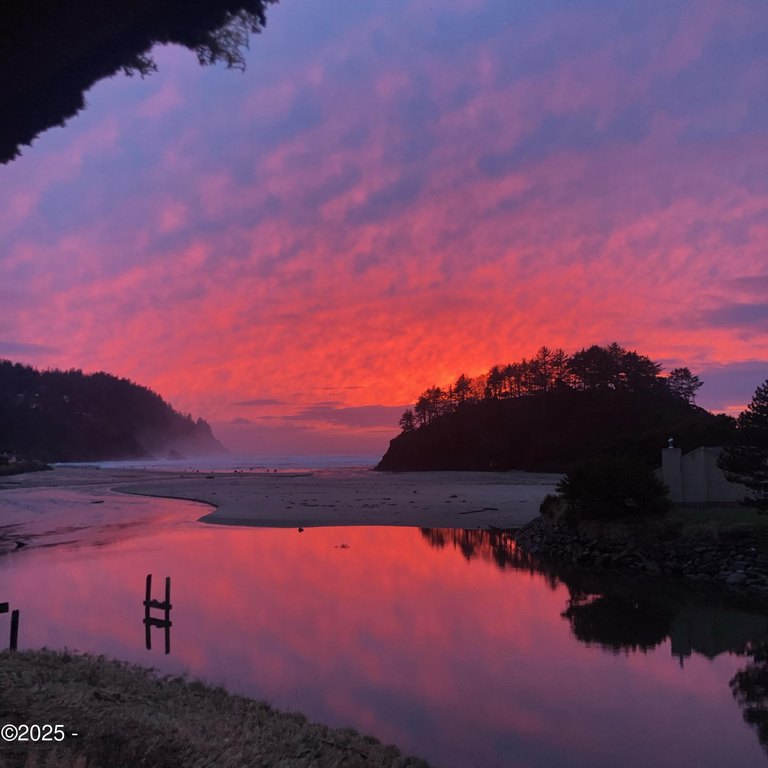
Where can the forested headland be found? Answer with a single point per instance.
(555, 409)
(72, 416)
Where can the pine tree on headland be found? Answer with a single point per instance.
(462, 389)
(746, 461)
(408, 421)
(595, 368)
(683, 383)
(547, 411)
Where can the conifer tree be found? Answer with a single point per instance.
(746, 461)
(683, 383)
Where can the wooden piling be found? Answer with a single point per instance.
(164, 606)
(14, 629)
(167, 638)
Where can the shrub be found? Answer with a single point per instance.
(552, 507)
(612, 487)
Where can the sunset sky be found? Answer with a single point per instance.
(395, 192)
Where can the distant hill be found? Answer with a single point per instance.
(538, 416)
(72, 416)
(548, 431)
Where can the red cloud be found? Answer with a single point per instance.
(392, 224)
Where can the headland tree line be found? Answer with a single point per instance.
(549, 411)
(58, 415)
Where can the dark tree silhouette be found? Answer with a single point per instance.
(683, 383)
(613, 367)
(750, 688)
(71, 416)
(462, 389)
(408, 421)
(594, 368)
(496, 546)
(52, 53)
(619, 622)
(549, 411)
(745, 461)
(494, 383)
(609, 487)
(432, 404)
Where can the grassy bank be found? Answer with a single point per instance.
(693, 517)
(127, 716)
(682, 521)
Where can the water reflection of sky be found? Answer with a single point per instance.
(457, 660)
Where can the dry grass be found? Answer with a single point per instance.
(128, 717)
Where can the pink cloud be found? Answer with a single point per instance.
(394, 228)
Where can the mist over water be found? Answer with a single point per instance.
(244, 462)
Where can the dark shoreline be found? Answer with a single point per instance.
(731, 562)
(127, 716)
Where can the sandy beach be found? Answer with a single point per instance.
(56, 506)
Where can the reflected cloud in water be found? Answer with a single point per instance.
(446, 643)
(629, 615)
(619, 612)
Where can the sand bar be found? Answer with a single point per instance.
(64, 501)
(360, 497)
(71, 506)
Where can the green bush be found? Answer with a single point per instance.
(611, 488)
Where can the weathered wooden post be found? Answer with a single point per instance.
(14, 641)
(14, 629)
(147, 601)
(165, 606)
(167, 615)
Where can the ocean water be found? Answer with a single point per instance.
(244, 462)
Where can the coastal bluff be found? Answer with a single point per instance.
(549, 431)
(65, 416)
